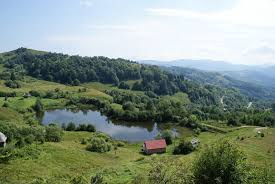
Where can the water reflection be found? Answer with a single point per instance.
(128, 131)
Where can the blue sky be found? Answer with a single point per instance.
(238, 31)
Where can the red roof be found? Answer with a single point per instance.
(155, 144)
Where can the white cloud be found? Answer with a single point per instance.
(86, 3)
(260, 55)
(246, 12)
(113, 27)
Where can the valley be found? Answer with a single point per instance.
(124, 106)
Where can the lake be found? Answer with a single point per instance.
(120, 130)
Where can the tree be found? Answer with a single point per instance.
(98, 144)
(38, 106)
(168, 136)
(224, 163)
(123, 85)
(169, 171)
(13, 76)
(128, 106)
(71, 127)
(273, 107)
(53, 133)
(184, 147)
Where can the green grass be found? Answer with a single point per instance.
(29, 83)
(59, 162)
(178, 98)
(7, 114)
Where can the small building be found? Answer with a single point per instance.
(154, 146)
(27, 95)
(195, 142)
(3, 140)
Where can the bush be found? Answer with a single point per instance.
(97, 179)
(6, 154)
(262, 134)
(5, 104)
(224, 163)
(123, 85)
(168, 136)
(128, 106)
(169, 171)
(71, 127)
(53, 133)
(79, 180)
(197, 131)
(81, 127)
(12, 84)
(35, 93)
(90, 128)
(86, 127)
(184, 147)
(97, 144)
(38, 106)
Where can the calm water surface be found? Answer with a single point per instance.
(128, 131)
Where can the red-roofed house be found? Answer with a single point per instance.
(154, 146)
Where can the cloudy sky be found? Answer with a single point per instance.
(237, 31)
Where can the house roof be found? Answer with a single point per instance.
(3, 138)
(155, 144)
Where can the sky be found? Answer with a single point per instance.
(237, 31)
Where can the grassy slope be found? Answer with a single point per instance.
(60, 161)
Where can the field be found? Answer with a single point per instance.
(60, 162)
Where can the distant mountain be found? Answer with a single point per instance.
(207, 65)
(223, 80)
(262, 76)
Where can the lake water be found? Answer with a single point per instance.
(127, 131)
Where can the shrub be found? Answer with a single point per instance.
(90, 128)
(224, 163)
(167, 135)
(5, 104)
(197, 131)
(123, 85)
(79, 180)
(83, 141)
(81, 127)
(169, 171)
(53, 133)
(6, 154)
(262, 134)
(38, 106)
(97, 144)
(71, 127)
(12, 84)
(184, 147)
(97, 178)
(128, 106)
(35, 93)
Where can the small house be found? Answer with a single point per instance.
(154, 146)
(3, 140)
(27, 95)
(195, 142)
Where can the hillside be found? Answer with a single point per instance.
(249, 88)
(129, 98)
(206, 65)
(262, 77)
(74, 70)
